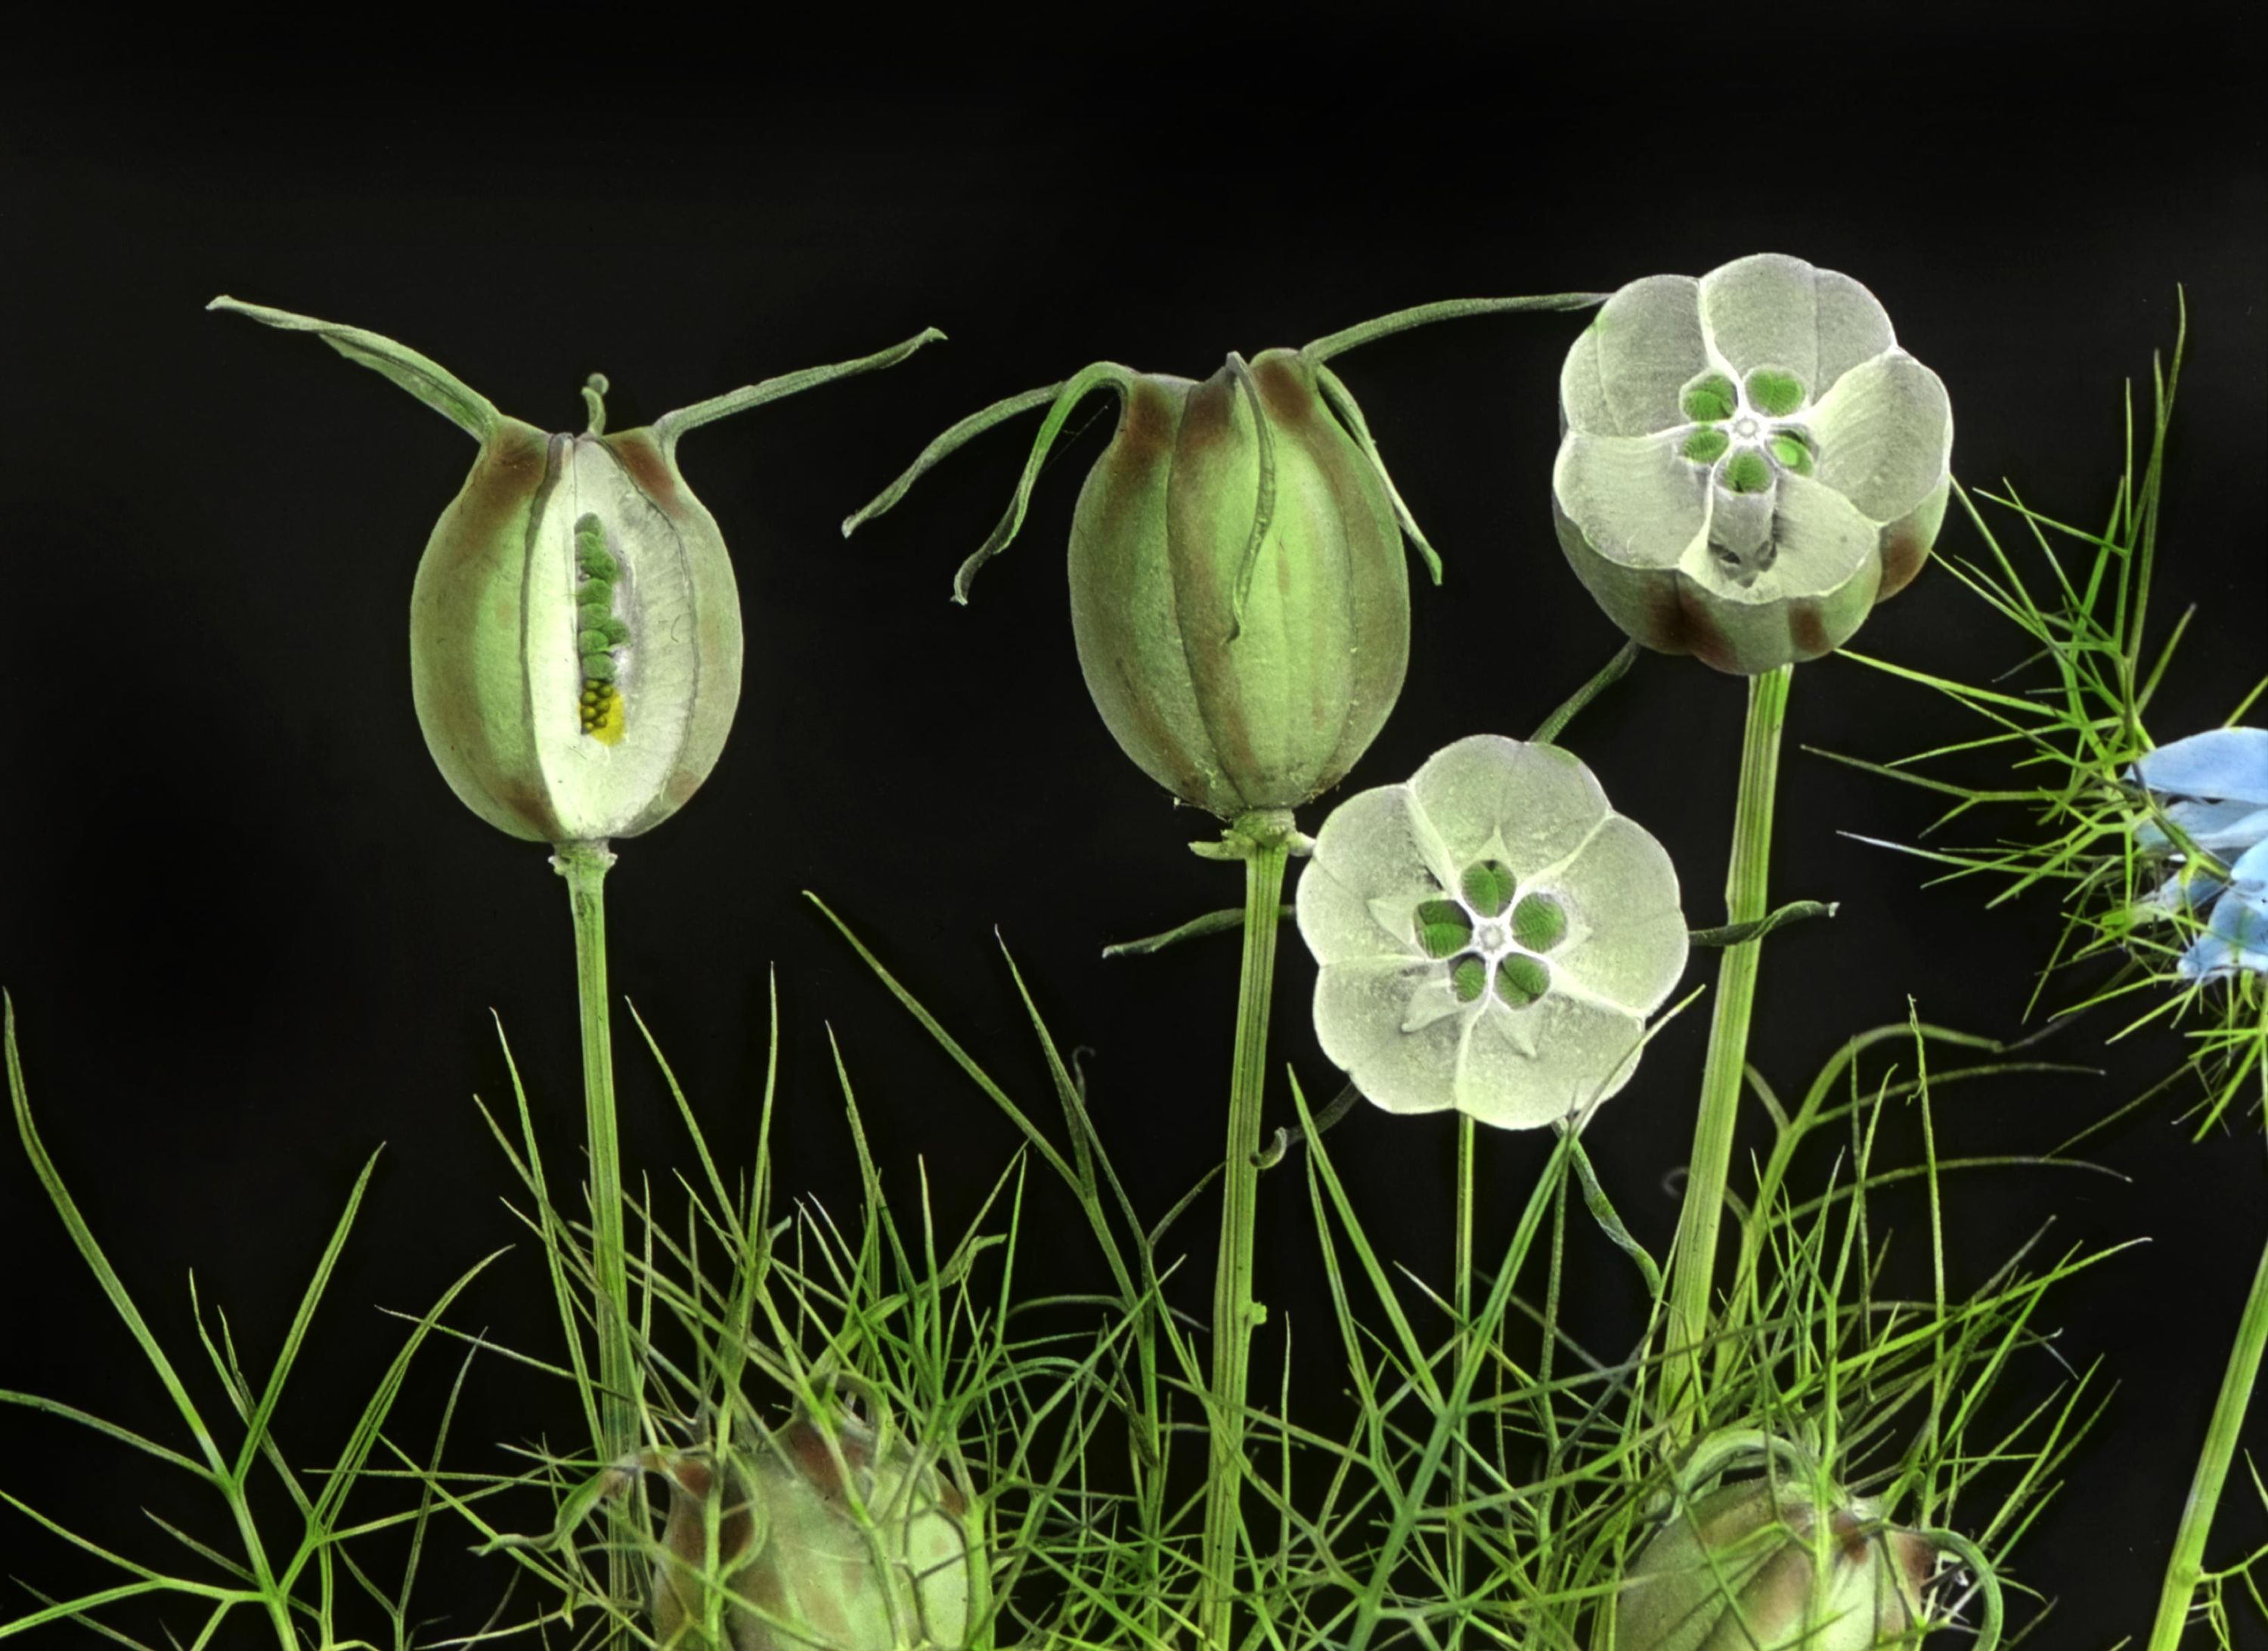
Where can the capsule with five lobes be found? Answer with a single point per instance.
(1238, 592)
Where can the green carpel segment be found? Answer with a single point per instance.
(1710, 399)
(1521, 979)
(1468, 977)
(1487, 886)
(1539, 923)
(1774, 393)
(1443, 928)
(1747, 472)
(1789, 450)
(599, 630)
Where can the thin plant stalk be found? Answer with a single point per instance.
(1233, 1313)
(1746, 879)
(2185, 1569)
(585, 865)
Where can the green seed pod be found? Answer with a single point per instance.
(551, 537)
(1738, 1569)
(819, 1545)
(1238, 593)
(1237, 588)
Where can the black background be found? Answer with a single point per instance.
(250, 935)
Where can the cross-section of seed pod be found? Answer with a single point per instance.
(575, 630)
(1492, 936)
(1750, 462)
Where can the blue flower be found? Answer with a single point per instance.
(2214, 788)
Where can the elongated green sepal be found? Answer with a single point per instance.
(422, 377)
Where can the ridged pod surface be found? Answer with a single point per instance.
(1266, 703)
(820, 1546)
(1734, 1570)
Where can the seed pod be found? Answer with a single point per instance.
(575, 631)
(1738, 1570)
(819, 1544)
(1238, 593)
(1750, 463)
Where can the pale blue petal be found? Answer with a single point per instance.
(2223, 765)
(2235, 939)
(2218, 828)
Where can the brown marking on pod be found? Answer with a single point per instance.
(1850, 1534)
(514, 464)
(1148, 418)
(736, 1525)
(1703, 637)
(1903, 552)
(1288, 388)
(638, 452)
(1809, 631)
(808, 1450)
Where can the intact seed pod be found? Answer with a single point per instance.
(575, 631)
(1238, 593)
(819, 1545)
(1739, 1570)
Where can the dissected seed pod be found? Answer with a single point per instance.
(1751, 462)
(575, 630)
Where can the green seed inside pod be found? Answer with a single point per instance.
(599, 667)
(1748, 472)
(1788, 448)
(1706, 446)
(1521, 980)
(1487, 886)
(1709, 399)
(1468, 977)
(591, 549)
(1443, 928)
(1773, 392)
(1539, 923)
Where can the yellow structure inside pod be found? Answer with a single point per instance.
(602, 712)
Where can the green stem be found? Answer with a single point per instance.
(584, 865)
(2186, 1568)
(1745, 886)
(1267, 837)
